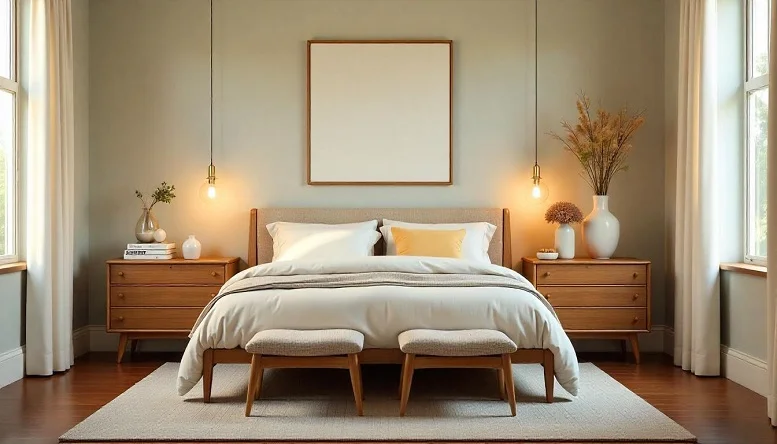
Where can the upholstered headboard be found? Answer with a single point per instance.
(260, 242)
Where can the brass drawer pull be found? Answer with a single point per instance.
(547, 273)
(213, 295)
(121, 318)
(635, 320)
(121, 273)
(121, 295)
(547, 296)
(635, 275)
(213, 273)
(635, 297)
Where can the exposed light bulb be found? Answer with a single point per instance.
(536, 192)
(208, 190)
(539, 191)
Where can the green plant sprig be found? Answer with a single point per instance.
(163, 193)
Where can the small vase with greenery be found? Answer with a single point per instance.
(564, 214)
(147, 223)
(601, 143)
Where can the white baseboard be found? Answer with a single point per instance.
(669, 340)
(652, 342)
(745, 370)
(102, 341)
(81, 341)
(11, 366)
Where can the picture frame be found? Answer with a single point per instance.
(380, 112)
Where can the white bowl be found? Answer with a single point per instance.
(547, 256)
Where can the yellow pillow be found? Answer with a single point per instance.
(435, 243)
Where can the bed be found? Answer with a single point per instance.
(215, 340)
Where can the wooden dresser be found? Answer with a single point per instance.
(161, 298)
(608, 299)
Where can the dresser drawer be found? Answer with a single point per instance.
(127, 296)
(592, 296)
(603, 318)
(153, 318)
(632, 274)
(168, 274)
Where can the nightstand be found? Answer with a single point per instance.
(161, 298)
(596, 298)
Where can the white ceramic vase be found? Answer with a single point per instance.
(565, 241)
(192, 248)
(601, 230)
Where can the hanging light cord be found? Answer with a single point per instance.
(536, 75)
(211, 82)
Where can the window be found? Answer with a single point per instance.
(756, 112)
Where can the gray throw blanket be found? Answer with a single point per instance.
(372, 279)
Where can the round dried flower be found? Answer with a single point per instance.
(563, 213)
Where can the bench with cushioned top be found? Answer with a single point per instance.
(457, 349)
(333, 348)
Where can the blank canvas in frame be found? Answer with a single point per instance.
(379, 112)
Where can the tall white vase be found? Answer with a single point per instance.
(601, 230)
(565, 241)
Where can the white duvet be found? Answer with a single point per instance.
(381, 313)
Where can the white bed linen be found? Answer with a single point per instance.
(381, 313)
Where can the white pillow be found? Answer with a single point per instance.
(473, 248)
(292, 241)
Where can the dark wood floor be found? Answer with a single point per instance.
(38, 410)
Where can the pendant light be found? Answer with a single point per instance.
(208, 189)
(539, 190)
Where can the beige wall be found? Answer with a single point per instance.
(12, 315)
(149, 112)
(80, 10)
(743, 313)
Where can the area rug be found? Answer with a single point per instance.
(317, 405)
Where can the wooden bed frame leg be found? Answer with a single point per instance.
(207, 374)
(549, 375)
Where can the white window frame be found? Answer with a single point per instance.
(752, 84)
(12, 86)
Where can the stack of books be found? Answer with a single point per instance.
(162, 250)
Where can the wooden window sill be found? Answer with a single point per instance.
(12, 267)
(739, 267)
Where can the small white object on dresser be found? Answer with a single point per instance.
(192, 248)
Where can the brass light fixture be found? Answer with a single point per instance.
(539, 190)
(208, 190)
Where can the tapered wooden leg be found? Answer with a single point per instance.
(407, 379)
(252, 380)
(634, 346)
(549, 362)
(259, 379)
(501, 377)
(207, 374)
(134, 345)
(122, 347)
(507, 368)
(353, 365)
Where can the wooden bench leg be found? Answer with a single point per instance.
(207, 374)
(253, 379)
(122, 346)
(500, 374)
(353, 365)
(548, 364)
(407, 379)
(259, 379)
(507, 369)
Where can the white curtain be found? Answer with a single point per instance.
(771, 214)
(47, 122)
(696, 255)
